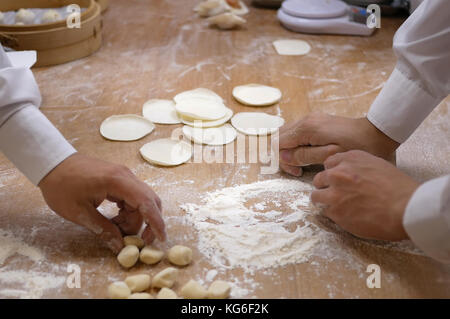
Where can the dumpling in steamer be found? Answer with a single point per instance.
(51, 16)
(25, 16)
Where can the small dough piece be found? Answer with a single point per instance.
(161, 112)
(241, 10)
(226, 21)
(214, 136)
(211, 8)
(166, 293)
(51, 16)
(141, 295)
(256, 123)
(138, 283)
(291, 47)
(219, 289)
(201, 108)
(25, 16)
(118, 290)
(165, 278)
(128, 127)
(166, 152)
(200, 92)
(128, 256)
(134, 240)
(193, 290)
(150, 255)
(199, 123)
(257, 94)
(180, 255)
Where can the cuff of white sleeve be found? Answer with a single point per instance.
(425, 221)
(400, 107)
(33, 144)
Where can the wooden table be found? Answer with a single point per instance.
(155, 49)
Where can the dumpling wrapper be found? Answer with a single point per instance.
(161, 111)
(201, 108)
(214, 136)
(257, 94)
(127, 127)
(256, 123)
(166, 152)
(291, 47)
(199, 123)
(200, 92)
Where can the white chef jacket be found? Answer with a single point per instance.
(419, 82)
(27, 137)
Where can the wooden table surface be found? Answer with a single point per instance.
(155, 49)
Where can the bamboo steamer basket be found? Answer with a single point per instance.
(54, 42)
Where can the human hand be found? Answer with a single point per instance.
(76, 187)
(314, 138)
(364, 194)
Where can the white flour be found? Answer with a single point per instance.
(11, 245)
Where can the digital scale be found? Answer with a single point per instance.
(324, 16)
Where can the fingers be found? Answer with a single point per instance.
(150, 211)
(292, 170)
(323, 196)
(129, 222)
(148, 235)
(321, 180)
(307, 155)
(101, 226)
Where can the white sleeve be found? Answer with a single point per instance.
(421, 78)
(427, 218)
(27, 137)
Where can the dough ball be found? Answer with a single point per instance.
(128, 256)
(25, 16)
(165, 278)
(128, 127)
(166, 152)
(291, 47)
(134, 240)
(256, 123)
(257, 94)
(141, 295)
(50, 16)
(226, 21)
(166, 293)
(161, 112)
(180, 255)
(150, 255)
(138, 283)
(118, 290)
(193, 290)
(219, 290)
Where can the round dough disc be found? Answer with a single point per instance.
(166, 152)
(201, 108)
(211, 136)
(257, 94)
(200, 92)
(198, 123)
(161, 112)
(256, 123)
(127, 127)
(292, 47)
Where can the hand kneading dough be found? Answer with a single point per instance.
(166, 152)
(134, 240)
(193, 290)
(180, 255)
(199, 123)
(118, 290)
(25, 16)
(138, 283)
(127, 127)
(51, 16)
(291, 47)
(128, 256)
(165, 278)
(161, 112)
(219, 290)
(141, 295)
(201, 108)
(166, 293)
(200, 92)
(226, 21)
(256, 123)
(151, 256)
(211, 136)
(257, 94)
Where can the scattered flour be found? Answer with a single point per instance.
(11, 245)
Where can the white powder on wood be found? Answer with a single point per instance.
(11, 245)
